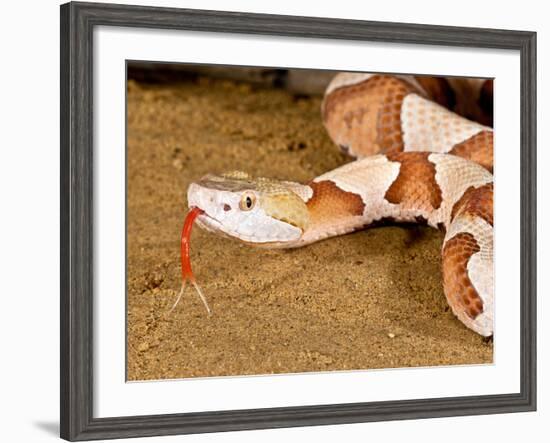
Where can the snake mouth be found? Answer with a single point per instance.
(208, 222)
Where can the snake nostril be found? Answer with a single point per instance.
(226, 207)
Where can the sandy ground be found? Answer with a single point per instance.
(372, 299)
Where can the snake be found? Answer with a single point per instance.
(419, 156)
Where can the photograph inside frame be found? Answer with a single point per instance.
(344, 221)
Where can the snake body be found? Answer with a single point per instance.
(416, 161)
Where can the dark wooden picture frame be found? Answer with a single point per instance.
(77, 24)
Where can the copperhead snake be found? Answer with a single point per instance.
(416, 160)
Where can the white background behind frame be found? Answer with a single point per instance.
(113, 397)
(29, 179)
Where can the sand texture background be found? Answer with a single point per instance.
(372, 299)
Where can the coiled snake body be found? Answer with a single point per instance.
(416, 161)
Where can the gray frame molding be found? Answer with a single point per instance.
(77, 24)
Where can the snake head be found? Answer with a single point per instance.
(253, 210)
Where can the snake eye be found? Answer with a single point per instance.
(247, 201)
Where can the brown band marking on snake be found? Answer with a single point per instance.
(477, 202)
(329, 201)
(415, 187)
(389, 131)
(458, 286)
(478, 148)
(366, 116)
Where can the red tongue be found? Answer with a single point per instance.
(186, 271)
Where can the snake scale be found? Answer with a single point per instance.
(415, 161)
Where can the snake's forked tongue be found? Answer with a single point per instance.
(186, 271)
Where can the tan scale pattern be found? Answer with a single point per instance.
(478, 148)
(365, 118)
(459, 290)
(428, 126)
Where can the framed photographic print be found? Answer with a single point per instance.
(364, 195)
